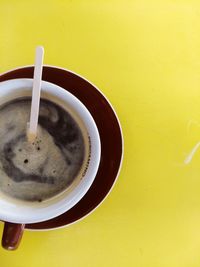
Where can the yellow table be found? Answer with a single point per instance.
(145, 57)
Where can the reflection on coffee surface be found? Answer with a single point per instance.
(42, 169)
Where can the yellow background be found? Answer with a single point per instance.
(145, 56)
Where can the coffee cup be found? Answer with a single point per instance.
(27, 194)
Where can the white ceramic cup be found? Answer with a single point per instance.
(20, 212)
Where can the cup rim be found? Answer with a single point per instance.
(30, 216)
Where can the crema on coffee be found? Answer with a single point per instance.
(42, 169)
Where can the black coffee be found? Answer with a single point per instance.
(42, 169)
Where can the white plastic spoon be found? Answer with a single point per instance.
(35, 103)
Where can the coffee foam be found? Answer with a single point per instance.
(39, 170)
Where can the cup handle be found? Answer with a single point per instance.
(12, 235)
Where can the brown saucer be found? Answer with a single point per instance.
(110, 134)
